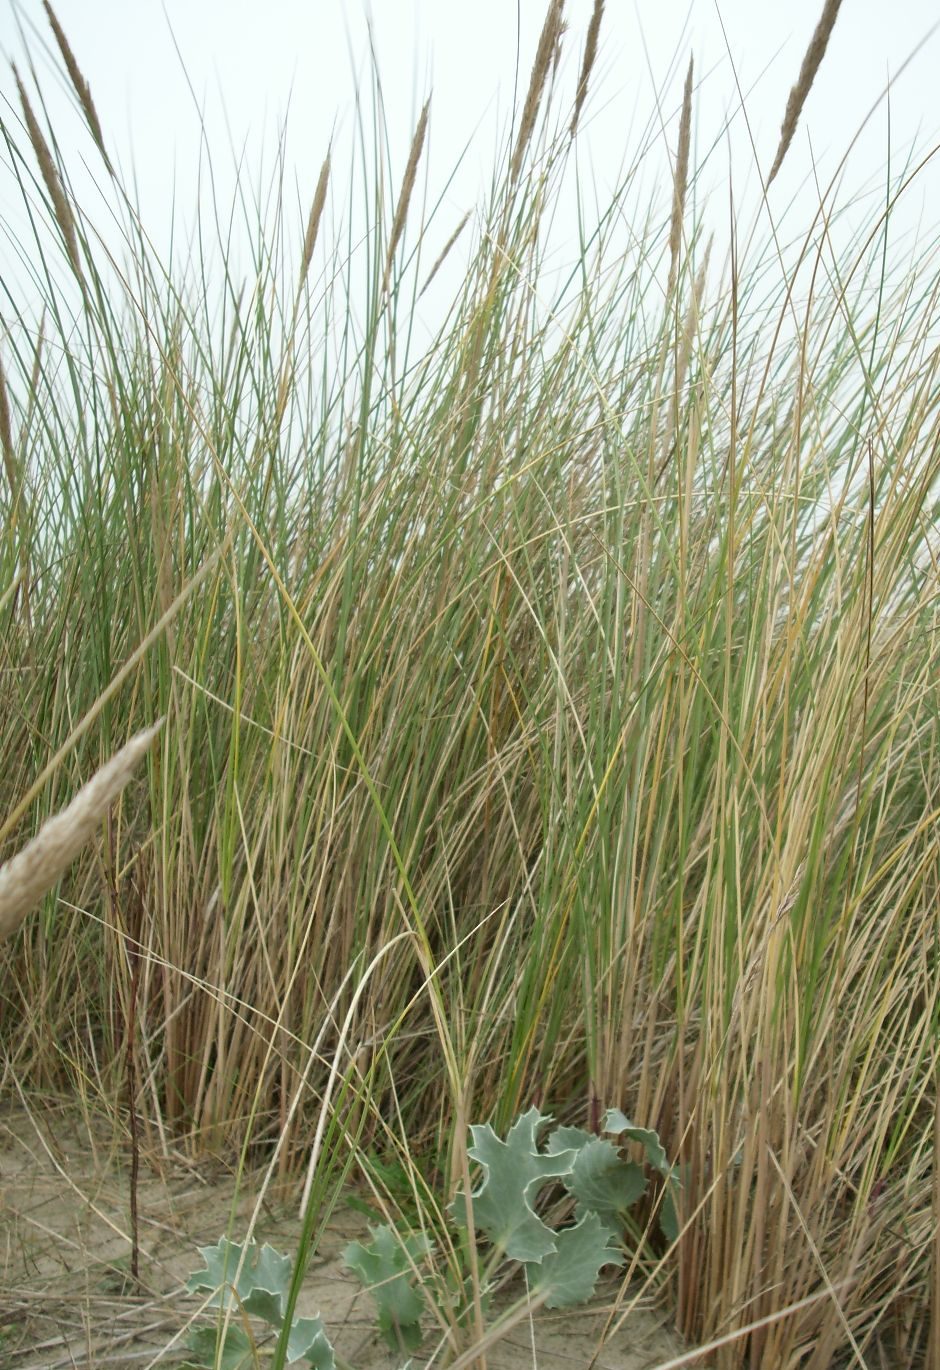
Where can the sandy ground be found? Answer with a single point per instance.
(66, 1300)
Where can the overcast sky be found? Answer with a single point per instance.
(151, 63)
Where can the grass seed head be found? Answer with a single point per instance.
(6, 436)
(27, 876)
(313, 220)
(541, 67)
(445, 250)
(798, 95)
(587, 63)
(407, 186)
(50, 175)
(682, 177)
(82, 88)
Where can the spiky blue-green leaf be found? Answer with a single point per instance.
(261, 1285)
(620, 1125)
(308, 1341)
(605, 1184)
(386, 1271)
(569, 1275)
(513, 1173)
(235, 1353)
(668, 1216)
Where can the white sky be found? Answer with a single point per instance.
(246, 62)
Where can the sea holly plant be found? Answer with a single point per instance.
(386, 1267)
(561, 1265)
(602, 1182)
(603, 1185)
(251, 1281)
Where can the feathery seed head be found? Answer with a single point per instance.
(587, 62)
(51, 177)
(811, 62)
(541, 67)
(681, 177)
(27, 876)
(81, 86)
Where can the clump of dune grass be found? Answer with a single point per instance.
(573, 668)
(32, 872)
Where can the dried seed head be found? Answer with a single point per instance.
(6, 437)
(407, 186)
(445, 250)
(541, 67)
(82, 88)
(681, 177)
(27, 876)
(313, 221)
(811, 61)
(587, 62)
(54, 186)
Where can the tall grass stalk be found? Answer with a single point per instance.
(577, 663)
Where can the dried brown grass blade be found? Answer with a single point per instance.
(541, 67)
(811, 62)
(50, 175)
(682, 177)
(587, 62)
(82, 88)
(27, 876)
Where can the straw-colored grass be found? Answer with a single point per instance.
(551, 715)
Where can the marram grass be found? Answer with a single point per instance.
(551, 708)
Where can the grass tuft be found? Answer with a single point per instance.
(550, 698)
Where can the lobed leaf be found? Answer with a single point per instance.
(618, 1123)
(262, 1283)
(308, 1341)
(385, 1268)
(236, 1351)
(602, 1182)
(569, 1274)
(514, 1172)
